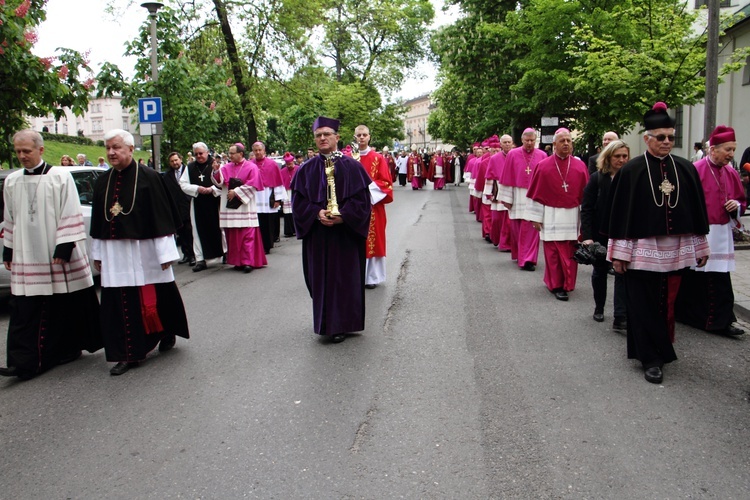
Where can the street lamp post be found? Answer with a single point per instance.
(152, 8)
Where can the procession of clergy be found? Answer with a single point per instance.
(658, 216)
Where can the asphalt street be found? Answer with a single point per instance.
(470, 381)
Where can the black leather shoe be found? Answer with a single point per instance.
(200, 266)
(561, 295)
(184, 260)
(247, 269)
(70, 358)
(598, 316)
(192, 262)
(10, 371)
(167, 343)
(370, 287)
(529, 267)
(121, 368)
(337, 339)
(654, 375)
(224, 259)
(732, 331)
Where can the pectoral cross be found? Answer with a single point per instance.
(565, 186)
(32, 211)
(528, 170)
(201, 177)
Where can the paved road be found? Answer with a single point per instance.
(470, 381)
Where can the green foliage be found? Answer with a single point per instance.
(597, 64)
(30, 85)
(377, 42)
(72, 139)
(198, 99)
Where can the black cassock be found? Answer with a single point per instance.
(206, 211)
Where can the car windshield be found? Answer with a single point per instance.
(85, 185)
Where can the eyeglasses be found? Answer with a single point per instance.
(661, 137)
(323, 134)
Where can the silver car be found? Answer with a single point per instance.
(85, 178)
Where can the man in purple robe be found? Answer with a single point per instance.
(333, 245)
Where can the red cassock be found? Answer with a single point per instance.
(415, 167)
(446, 168)
(378, 170)
(392, 167)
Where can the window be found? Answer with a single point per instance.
(96, 126)
(678, 127)
(126, 123)
(746, 72)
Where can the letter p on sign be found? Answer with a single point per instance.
(149, 110)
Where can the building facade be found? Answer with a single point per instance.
(415, 126)
(103, 114)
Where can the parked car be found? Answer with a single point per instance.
(85, 178)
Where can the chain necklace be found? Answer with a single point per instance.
(665, 187)
(117, 208)
(32, 203)
(722, 190)
(203, 171)
(564, 179)
(528, 157)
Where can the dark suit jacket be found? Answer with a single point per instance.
(180, 198)
(592, 163)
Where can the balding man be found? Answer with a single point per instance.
(45, 252)
(555, 195)
(606, 139)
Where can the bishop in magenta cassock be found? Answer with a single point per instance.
(415, 169)
(333, 246)
(514, 183)
(240, 182)
(381, 193)
(499, 224)
(706, 297)
(555, 194)
(270, 197)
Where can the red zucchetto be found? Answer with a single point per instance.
(722, 134)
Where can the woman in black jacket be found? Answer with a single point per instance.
(595, 196)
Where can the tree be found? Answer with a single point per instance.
(195, 95)
(597, 63)
(30, 85)
(372, 42)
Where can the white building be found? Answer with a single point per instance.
(103, 115)
(415, 125)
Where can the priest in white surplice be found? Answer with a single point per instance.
(45, 251)
(133, 221)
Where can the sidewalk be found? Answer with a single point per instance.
(741, 282)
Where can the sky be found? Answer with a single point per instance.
(83, 25)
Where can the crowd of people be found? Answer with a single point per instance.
(662, 225)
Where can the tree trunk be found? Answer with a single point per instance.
(239, 77)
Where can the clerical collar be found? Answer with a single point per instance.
(657, 157)
(33, 171)
(713, 164)
(558, 156)
(324, 155)
(364, 151)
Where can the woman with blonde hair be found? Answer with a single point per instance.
(595, 196)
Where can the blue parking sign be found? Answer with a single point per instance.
(149, 110)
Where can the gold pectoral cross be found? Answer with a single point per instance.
(666, 187)
(116, 209)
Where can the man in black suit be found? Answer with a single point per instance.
(606, 139)
(184, 233)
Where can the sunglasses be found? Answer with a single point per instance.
(661, 137)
